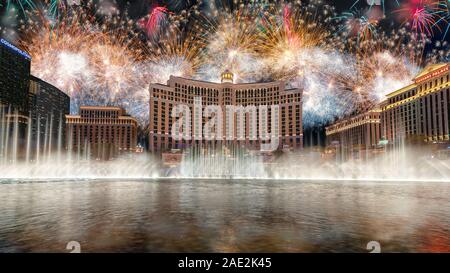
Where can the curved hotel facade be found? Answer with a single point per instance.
(198, 95)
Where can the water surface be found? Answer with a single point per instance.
(224, 216)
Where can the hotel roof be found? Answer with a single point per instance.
(218, 84)
(430, 68)
(427, 70)
(102, 107)
(375, 109)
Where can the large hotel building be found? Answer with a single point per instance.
(421, 109)
(417, 112)
(181, 91)
(100, 128)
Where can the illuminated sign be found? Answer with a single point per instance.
(432, 74)
(21, 52)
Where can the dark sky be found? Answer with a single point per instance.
(139, 8)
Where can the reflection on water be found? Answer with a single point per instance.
(224, 216)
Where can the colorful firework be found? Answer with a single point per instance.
(420, 15)
(178, 54)
(443, 12)
(155, 20)
(283, 40)
(423, 21)
(358, 23)
(95, 63)
(56, 7)
(231, 42)
(99, 56)
(373, 3)
(23, 5)
(382, 65)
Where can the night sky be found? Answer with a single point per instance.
(141, 8)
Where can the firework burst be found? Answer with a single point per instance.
(22, 5)
(283, 39)
(374, 3)
(95, 63)
(231, 38)
(420, 15)
(177, 54)
(100, 56)
(360, 24)
(443, 13)
(155, 21)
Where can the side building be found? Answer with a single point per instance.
(14, 111)
(199, 96)
(48, 109)
(356, 136)
(419, 112)
(101, 132)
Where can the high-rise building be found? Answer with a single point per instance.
(14, 78)
(14, 110)
(101, 130)
(202, 99)
(48, 109)
(420, 110)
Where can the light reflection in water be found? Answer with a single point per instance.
(224, 216)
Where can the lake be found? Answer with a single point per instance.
(171, 215)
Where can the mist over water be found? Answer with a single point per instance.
(406, 165)
(47, 157)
